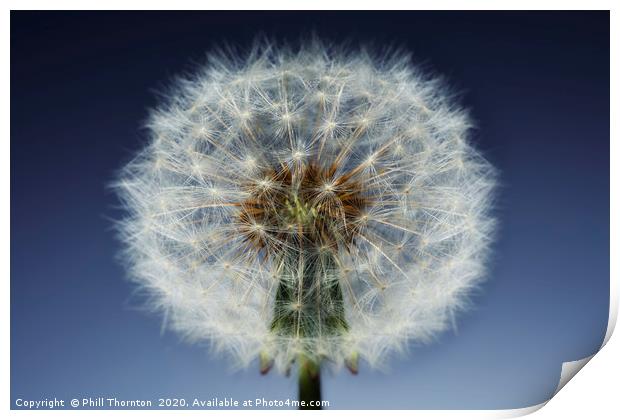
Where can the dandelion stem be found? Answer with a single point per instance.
(309, 305)
(309, 384)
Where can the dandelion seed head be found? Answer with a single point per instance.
(308, 201)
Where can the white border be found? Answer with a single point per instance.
(311, 5)
(594, 394)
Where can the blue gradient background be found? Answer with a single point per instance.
(538, 87)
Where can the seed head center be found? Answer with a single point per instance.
(308, 205)
(300, 212)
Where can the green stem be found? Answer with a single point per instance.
(309, 384)
(310, 307)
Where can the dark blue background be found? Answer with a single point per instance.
(538, 87)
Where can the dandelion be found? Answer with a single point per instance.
(308, 207)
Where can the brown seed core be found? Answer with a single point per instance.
(307, 205)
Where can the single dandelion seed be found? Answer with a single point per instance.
(311, 207)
